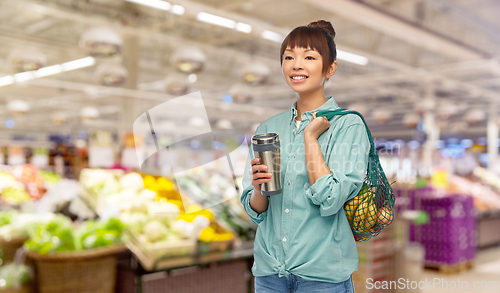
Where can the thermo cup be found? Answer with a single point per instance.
(267, 147)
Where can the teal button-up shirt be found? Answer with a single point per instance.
(304, 230)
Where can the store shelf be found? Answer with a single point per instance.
(242, 251)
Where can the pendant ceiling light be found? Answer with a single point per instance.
(177, 84)
(89, 113)
(241, 93)
(382, 115)
(101, 42)
(255, 73)
(188, 59)
(424, 106)
(59, 118)
(446, 109)
(111, 74)
(411, 120)
(18, 107)
(26, 59)
(475, 116)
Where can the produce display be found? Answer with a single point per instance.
(485, 198)
(233, 214)
(160, 222)
(25, 183)
(59, 235)
(29, 176)
(99, 182)
(6, 217)
(12, 276)
(50, 178)
(206, 187)
(12, 191)
(219, 193)
(145, 210)
(17, 226)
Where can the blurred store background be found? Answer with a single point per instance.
(75, 76)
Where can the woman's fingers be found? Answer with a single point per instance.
(261, 180)
(258, 168)
(258, 175)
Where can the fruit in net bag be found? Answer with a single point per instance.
(365, 216)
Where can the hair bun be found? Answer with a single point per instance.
(324, 25)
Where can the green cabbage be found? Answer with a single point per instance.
(58, 235)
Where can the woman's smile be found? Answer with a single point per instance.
(298, 78)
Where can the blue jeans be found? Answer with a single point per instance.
(294, 284)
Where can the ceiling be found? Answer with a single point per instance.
(441, 49)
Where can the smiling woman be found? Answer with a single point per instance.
(304, 242)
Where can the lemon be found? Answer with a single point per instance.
(366, 215)
(164, 184)
(193, 208)
(226, 236)
(150, 182)
(187, 217)
(363, 189)
(208, 234)
(371, 216)
(351, 206)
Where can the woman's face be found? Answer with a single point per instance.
(303, 69)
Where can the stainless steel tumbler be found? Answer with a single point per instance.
(267, 147)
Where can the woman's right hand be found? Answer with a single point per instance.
(258, 177)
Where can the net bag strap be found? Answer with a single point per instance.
(341, 111)
(373, 151)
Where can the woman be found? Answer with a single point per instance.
(304, 242)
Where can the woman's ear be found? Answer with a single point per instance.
(331, 70)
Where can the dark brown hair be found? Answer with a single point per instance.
(318, 35)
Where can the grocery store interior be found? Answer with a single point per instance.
(125, 129)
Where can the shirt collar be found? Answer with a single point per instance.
(329, 104)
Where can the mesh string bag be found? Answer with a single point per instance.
(372, 209)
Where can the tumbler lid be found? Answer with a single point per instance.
(265, 138)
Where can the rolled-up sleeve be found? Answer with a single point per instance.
(348, 162)
(247, 192)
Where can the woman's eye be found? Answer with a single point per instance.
(288, 58)
(310, 58)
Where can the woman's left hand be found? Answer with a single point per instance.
(317, 126)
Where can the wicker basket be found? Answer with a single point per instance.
(9, 248)
(87, 271)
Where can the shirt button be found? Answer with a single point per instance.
(284, 239)
(288, 182)
(287, 210)
(294, 157)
